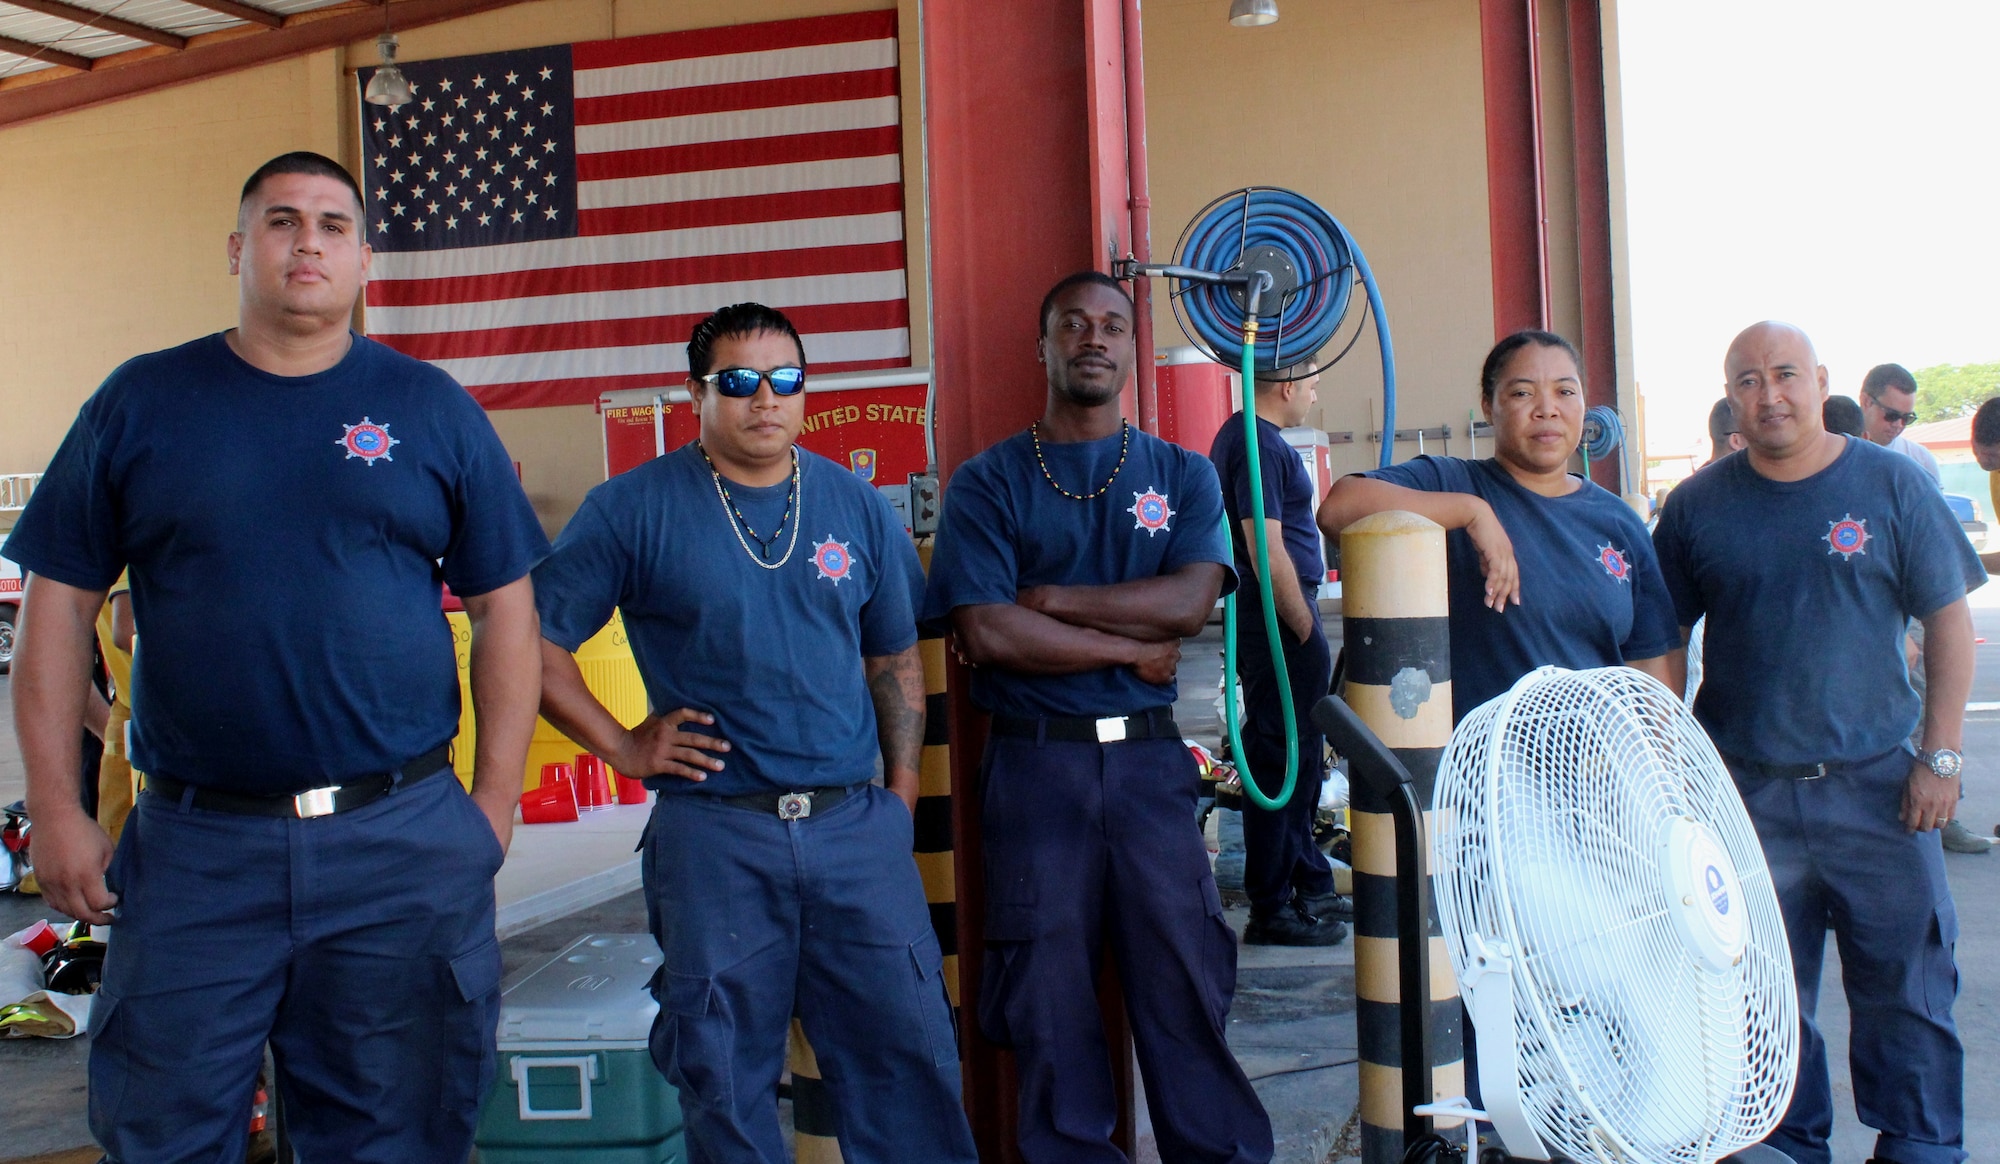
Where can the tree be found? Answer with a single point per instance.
(1948, 390)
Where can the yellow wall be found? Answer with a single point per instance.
(1374, 109)
(113, 219)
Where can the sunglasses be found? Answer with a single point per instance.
(740, 382)
(1891, 415)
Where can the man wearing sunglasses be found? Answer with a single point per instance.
(768, 594)
(1888, 401)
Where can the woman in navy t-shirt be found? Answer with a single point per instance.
(1545, 567)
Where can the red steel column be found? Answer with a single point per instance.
(1591, 146)
(1014, 139)
(1519, 228)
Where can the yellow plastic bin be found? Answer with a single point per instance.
(608, 670)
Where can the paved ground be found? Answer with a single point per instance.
(1291, 1026)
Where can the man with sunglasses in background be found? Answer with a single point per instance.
(768, 594)
(1889, 401)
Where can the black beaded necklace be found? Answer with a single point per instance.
(1124, 448)
(741, 524)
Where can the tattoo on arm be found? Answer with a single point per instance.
(896, 685)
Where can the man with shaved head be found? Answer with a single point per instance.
(1816, 727)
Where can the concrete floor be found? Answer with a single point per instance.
(1291, 1026)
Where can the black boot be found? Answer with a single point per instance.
(1290, 926)
(1328, 905)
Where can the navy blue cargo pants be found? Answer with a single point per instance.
(1087, 842)
(1279, 855)
(360, 945)
(824, 917)
(1841, 860)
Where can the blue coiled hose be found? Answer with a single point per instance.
(1286, 329)
(1603, 434)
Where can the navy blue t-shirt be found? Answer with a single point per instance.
(286, 537)
(1808, 587)
(1005, 528)
(774, 654)
(1591, 593)
(1288, 497)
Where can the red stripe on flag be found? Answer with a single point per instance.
(727, 155)
(622, 333)
(743, 268)
(777, 93)
(731, 211)
(731, 39)
(586, 389)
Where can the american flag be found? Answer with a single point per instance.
(549, 224)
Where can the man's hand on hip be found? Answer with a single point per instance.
(1929, 800)
(658, 747)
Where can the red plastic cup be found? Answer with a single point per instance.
(559, 773)
(630, 791)
(40, 938)
(593, 784)
(553, 803)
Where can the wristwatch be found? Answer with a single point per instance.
(1944, 762)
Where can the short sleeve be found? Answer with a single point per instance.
(1670, 549)
(1655, 627)
(889, 618)
(1938, 565)
(582, 581)
(69, 531)
(495, 538)
(1422, 473)
(1271, 469)
(1200, 532)
(976, 560)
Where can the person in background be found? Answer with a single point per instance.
(1842, 415)
(1287, 878)
(1723, 439)
(1889, 400)
(1986, 451)
(1815, 728)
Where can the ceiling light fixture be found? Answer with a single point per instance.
(388, 86)
(1253, 13)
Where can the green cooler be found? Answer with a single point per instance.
(574, 1079)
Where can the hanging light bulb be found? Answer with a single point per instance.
(1253, 13)
(387, 86)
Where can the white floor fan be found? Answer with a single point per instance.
(1610, 919)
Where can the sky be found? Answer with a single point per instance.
(1824, 162)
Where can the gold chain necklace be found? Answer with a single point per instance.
(1124, 448)
(738, 523)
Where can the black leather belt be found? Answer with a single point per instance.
(790, 805)
(313, 801)
(1154, 723)
(1798, 771)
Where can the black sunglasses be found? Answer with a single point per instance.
(740, 382)
(1890, 414)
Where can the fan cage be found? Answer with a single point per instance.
(1550, 801)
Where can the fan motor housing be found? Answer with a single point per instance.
(1704, 897)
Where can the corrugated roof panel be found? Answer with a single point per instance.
(166, 15)
(288, 7)
(14, 66)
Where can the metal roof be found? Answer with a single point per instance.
(49, 34)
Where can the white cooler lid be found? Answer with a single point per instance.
(594, 991)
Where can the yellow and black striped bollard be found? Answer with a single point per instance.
(1395, 610)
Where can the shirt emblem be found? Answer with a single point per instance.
(1847, 537)
(832, 559)
(1151, 511)
(1614, 562)
(369, 441)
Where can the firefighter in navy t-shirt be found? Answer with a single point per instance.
(1071, 560)
(1546, 568)
(769, 595)
(1807, 554)
(302, 868)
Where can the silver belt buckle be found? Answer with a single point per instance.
(315, 802)
(1819, 770)
(1111, 729)
(795, 806)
